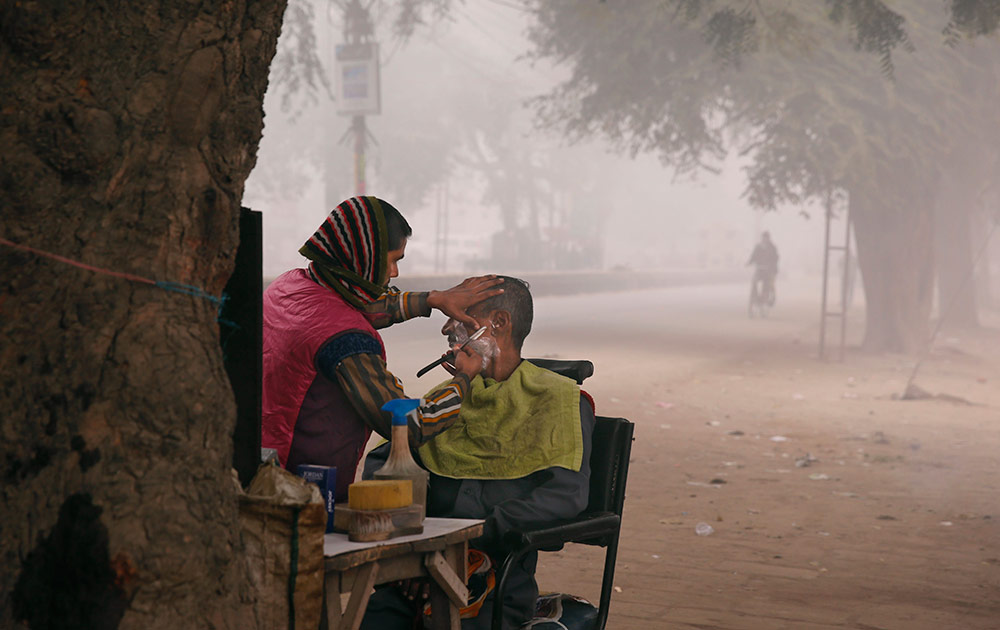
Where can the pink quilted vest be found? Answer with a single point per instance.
(299, 317)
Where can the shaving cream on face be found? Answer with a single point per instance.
(487, 348)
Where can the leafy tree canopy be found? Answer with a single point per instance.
(789, 85)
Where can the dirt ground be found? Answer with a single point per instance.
(833, 504)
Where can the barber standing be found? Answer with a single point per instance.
(324, 373)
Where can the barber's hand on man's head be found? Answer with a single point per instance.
(456, 300)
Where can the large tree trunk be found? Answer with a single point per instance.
(953, 249)
(127, 130)
(896, 259)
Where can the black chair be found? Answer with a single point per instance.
(576, 370)
(600, 523)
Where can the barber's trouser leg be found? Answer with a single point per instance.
(389, 610)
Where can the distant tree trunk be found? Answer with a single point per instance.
(953, 248)
(896, 259)
(983, 229)
(127, 130)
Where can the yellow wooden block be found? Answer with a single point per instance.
(386, 494)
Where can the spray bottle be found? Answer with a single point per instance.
(400, 464)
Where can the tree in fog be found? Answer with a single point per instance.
(965, 206)
(414, 158)
(796, 89)
(461, 121)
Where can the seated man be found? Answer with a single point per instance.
(518, 457)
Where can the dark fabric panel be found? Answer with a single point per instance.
(328, 432)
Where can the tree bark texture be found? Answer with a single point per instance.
(895, 254)
(127, 130)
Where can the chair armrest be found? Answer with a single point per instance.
(576, 370)
(586, 528)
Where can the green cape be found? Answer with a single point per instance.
(510, 429)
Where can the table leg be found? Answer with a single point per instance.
(362, 590)
(444, 613)
(448, 586)
(447, 579)
(331, 600)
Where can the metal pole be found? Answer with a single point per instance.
(846, 278)
(332, 150)
(358, 28)
(447, 208)
(826, 262)
(439, 231)
(359, 154)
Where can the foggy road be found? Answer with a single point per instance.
(668, 331)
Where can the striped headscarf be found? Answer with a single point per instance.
(350, 251)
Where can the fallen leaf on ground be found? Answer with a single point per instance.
(806, 460)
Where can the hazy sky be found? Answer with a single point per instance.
(432, 80)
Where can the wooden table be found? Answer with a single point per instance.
(440, 552)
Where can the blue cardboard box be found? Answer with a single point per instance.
(326, 478)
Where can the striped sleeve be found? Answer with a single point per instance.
(394, 307)
(368, 384)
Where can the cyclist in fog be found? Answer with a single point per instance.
(765, 258)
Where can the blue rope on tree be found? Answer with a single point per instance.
(188, 289)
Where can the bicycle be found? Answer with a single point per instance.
(762, 299)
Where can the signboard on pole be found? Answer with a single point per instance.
(358, 91)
